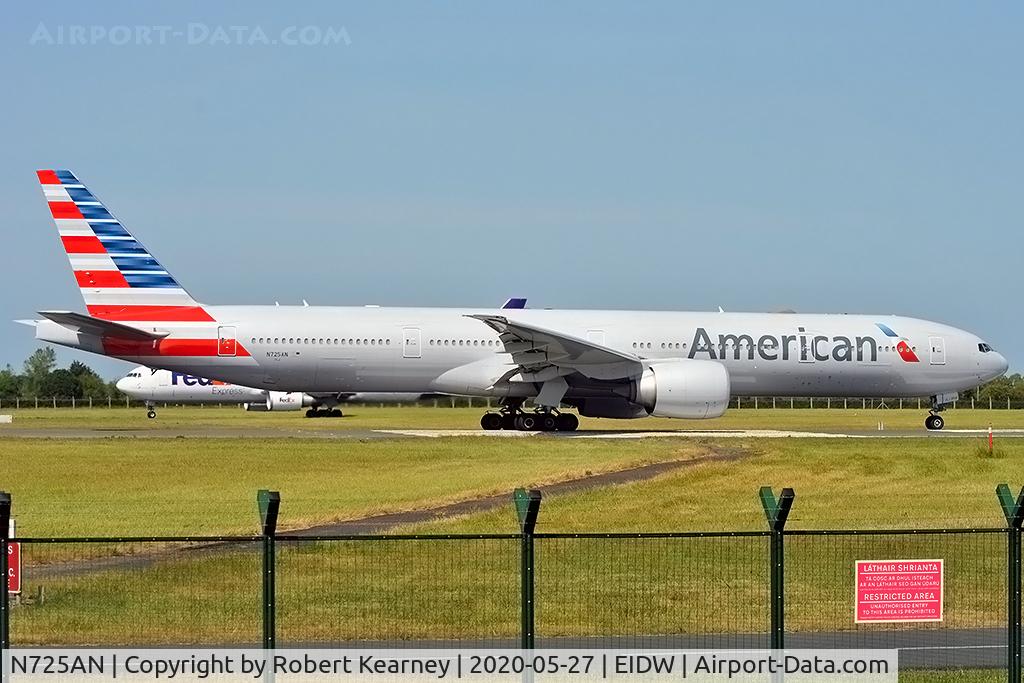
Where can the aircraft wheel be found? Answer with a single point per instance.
(491, 421)
(508, 421)
(934, 422)
(151, 414)
(336, 412)
(567, 422)
(527, 423)
(548, 423)
(311, 413)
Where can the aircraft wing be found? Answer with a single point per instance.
(99, 328)
(544, 354)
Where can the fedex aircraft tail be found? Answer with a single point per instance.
(119, 279)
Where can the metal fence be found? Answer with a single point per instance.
(759, 589)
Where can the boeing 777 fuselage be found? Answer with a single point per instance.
(618, 364)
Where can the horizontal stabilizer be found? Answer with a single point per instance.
(100, 328)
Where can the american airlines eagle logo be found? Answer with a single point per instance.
(902, 346)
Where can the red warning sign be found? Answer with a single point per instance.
(890, 591)
(13, 565)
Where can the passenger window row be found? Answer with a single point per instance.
(323, 341)
(464, 342)
(664, 345)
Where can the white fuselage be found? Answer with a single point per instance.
(421, 350)
(166, 386)
(154, 385)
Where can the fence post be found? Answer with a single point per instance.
(527, 507)
(269, 503)
(5, 605)
(1013, 510)
(777, 512)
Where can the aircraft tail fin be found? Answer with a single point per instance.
(118, 277)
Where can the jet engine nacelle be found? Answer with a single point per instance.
(292, 400)
(686, 388)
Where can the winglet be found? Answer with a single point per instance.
(514, 302)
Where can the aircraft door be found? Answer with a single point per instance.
(938, 350)
(227, 345)
(411, 342)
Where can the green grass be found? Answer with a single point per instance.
(118, 487)
(423, 417)
(176, 486)
(987, 676)
(395, 590)
(839, 483)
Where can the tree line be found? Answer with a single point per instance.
(40, 377)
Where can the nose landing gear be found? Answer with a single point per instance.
(934, 421)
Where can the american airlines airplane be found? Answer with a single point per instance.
(614, 364)
(152, 386)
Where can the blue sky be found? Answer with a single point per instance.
(813, 156)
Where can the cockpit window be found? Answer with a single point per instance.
(985, 348)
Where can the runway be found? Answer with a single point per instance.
(257, 432)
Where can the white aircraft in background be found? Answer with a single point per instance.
(153, 386)
(616, 364)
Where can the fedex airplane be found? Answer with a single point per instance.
(614, 364)
(152, 386)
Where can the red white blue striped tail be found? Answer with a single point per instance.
(119, 279)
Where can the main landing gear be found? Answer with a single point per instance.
(541, 421)
(326, 412)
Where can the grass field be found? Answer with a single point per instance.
(397, 590)
(423, 417)
(177, 486)
(840, 483)
(995, 676)
(118, 487)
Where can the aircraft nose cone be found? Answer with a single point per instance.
(122, 384)
(1001, 364)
